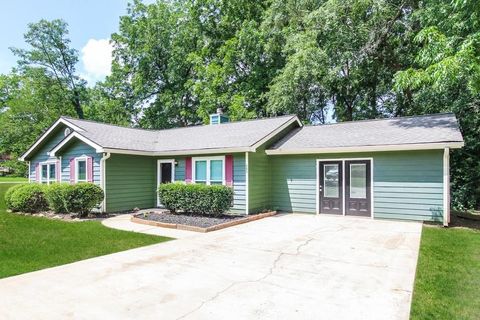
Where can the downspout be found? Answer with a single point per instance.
(246, 184)
(103, 183)
(446, 187)
(29, 173)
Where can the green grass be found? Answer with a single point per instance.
(32, 243)
(447, 285)
(13, 179)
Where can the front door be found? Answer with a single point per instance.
(165, 174)
(331, 188)
(357, 187)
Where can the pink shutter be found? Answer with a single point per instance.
(90, 169)
(188, 169)
(72, 170)
(58, 170)
(229, 170)
(37, 172)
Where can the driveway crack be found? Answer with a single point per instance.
(233, 284)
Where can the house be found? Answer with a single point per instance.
(394, 168)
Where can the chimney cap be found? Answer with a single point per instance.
(219, 110)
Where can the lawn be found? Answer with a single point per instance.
(447, 284)
(13, 179)
(32, 243)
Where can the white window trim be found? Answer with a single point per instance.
(47, 163)
(159, 175)
(317, 196)
(208, 159)
(78, 159)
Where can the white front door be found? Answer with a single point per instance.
(165, 174)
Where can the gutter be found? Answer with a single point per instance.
(103, 182)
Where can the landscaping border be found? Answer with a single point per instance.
(248, 218)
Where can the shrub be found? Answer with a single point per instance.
(196, 198)
(56, 195)
(9, 193)
(27, 198)
(81, 198)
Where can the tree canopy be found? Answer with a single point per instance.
(175, 62)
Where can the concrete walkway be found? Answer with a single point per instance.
(286, 267)
(123, 222)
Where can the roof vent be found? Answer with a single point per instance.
(218, 117)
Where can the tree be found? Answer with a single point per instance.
(445, 77)
(51, 53)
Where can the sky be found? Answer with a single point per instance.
(90, 22)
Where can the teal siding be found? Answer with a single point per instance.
(80, 149)
(239, 183)
(409, 185)
(406, 184)
(130, 182)
(41, 154)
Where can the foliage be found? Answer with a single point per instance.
(81, 198)
(196, 198)
(51, 54)
(57, 195)
(29, 198)
(9, 193)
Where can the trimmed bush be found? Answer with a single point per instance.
(28, 198)
(81, 198)
(195, 198)
(56, 195)
(9, 193)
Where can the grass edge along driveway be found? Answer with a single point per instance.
(31, 243)
(447, 282)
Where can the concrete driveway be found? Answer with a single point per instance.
(285, 267)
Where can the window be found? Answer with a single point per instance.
(209, 170)
(81, 170)
(331, 181)
(48, 172)
(358, 181)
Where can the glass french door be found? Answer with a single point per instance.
(345, 187)
(331, 188)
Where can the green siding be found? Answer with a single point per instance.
(259, 181)
(406, 184)
(130, 182)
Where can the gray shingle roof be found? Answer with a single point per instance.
(242, 134)
(437, 128)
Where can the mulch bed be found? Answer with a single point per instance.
(194, 222)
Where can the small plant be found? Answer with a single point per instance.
(28, 198)
(56, 195)
(9, 194)
(196, 198)
(81, 198)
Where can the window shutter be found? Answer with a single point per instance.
(229, 170)
(72, 170)
(188, 169)
(90, 169)
(58, 172)
(37, 172)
